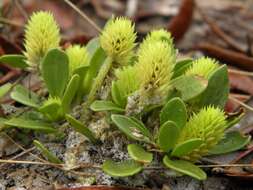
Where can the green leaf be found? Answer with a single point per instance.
(17, 61)
(121, 169)
(168, 135)
(131, 128)
(53, 111)
(116, 96)
(186, 147)
(217, 91)
(137, 153)
(79, 127)
(96, 62)
(4, 89)
(93, 45)
(31, 124)
(185, 167)
(232, 120)
(181, 66)
(101, 105)
(46, 153)
(190, 86)
(231, 142)
(55, 71)
(175, 111)
(24, 96)
(70, 92)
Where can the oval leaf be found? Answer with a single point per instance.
(131, 128)
(190, 86)
(101, 105)
(24, 96)
(17, 61)
(47, 153)
(168, 135)
(181, 66)
(186, 147)
(55, 71)
(116, 96)
(4, 89)
(231, 142)
(121, 169)
(137, 153)
(217, 91)
(70, 92)
(31, 124)
(174, 111)
(79, 127)
(185, 167)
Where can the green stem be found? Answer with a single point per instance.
(98, 82)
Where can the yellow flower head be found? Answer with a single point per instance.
(157, 35)
(154, 68)
(52, 108)
(208, 125)
(203, 67)
(41, 34)
(118, 39)
(78, 57)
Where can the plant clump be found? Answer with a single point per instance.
(180, 113)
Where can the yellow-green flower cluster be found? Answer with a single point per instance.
(156, 61)
(208, 125)
(157, 35)
(118, 39)
(78, 57)
(41, 34)
(203, 67)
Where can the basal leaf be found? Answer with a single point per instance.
(231, 142)
(217, 91)
(55, 71)
(4, 89)
(185, 167)
(168, 135)
(174, 111)
(93, 45)
(24, 96)
(46, 153)
(70, 92)
(53, 111)
(121, 169)
(102, 105)
(186, 147)
(116, 96)
(81, 128)
(31, 124)
(97, 59)
(17, 61)
(137, 153)
(131, 128)
(181, 66)
(190, 86)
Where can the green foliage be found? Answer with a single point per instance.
(55, 71)
(185, 167)
(18, 61)
(174, 107)
(46, 153)
(231, 142)
(137, 153)
(175, 111)
(168, 135)
(121, 169)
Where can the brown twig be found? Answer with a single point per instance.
(236, 58)
(83, 15)
(222, 35)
